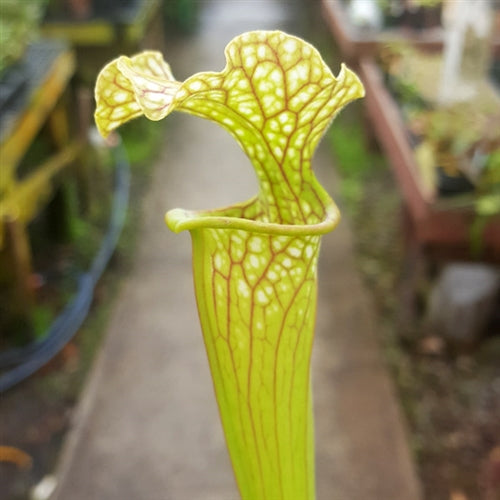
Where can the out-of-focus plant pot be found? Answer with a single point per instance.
(451, 185)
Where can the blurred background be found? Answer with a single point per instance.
(417, 164)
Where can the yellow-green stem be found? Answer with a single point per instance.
(256, 297)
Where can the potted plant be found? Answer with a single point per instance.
(463, 146)
(456, 142)
(443, 154)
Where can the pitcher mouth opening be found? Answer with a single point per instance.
(179, 219)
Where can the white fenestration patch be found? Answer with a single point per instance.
(243, 288)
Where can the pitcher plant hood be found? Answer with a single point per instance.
(275, 96)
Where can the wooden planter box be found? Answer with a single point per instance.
(355, 42)
(434, 223)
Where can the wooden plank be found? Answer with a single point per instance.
(81, 34)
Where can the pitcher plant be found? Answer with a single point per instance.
(254, 263)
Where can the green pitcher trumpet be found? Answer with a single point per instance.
(254, 263)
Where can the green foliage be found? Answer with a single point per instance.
(181, 15)
(18, 25)
(142, 140)
(354, 160)
(41, 319)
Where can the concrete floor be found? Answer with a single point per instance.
(147, 426)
